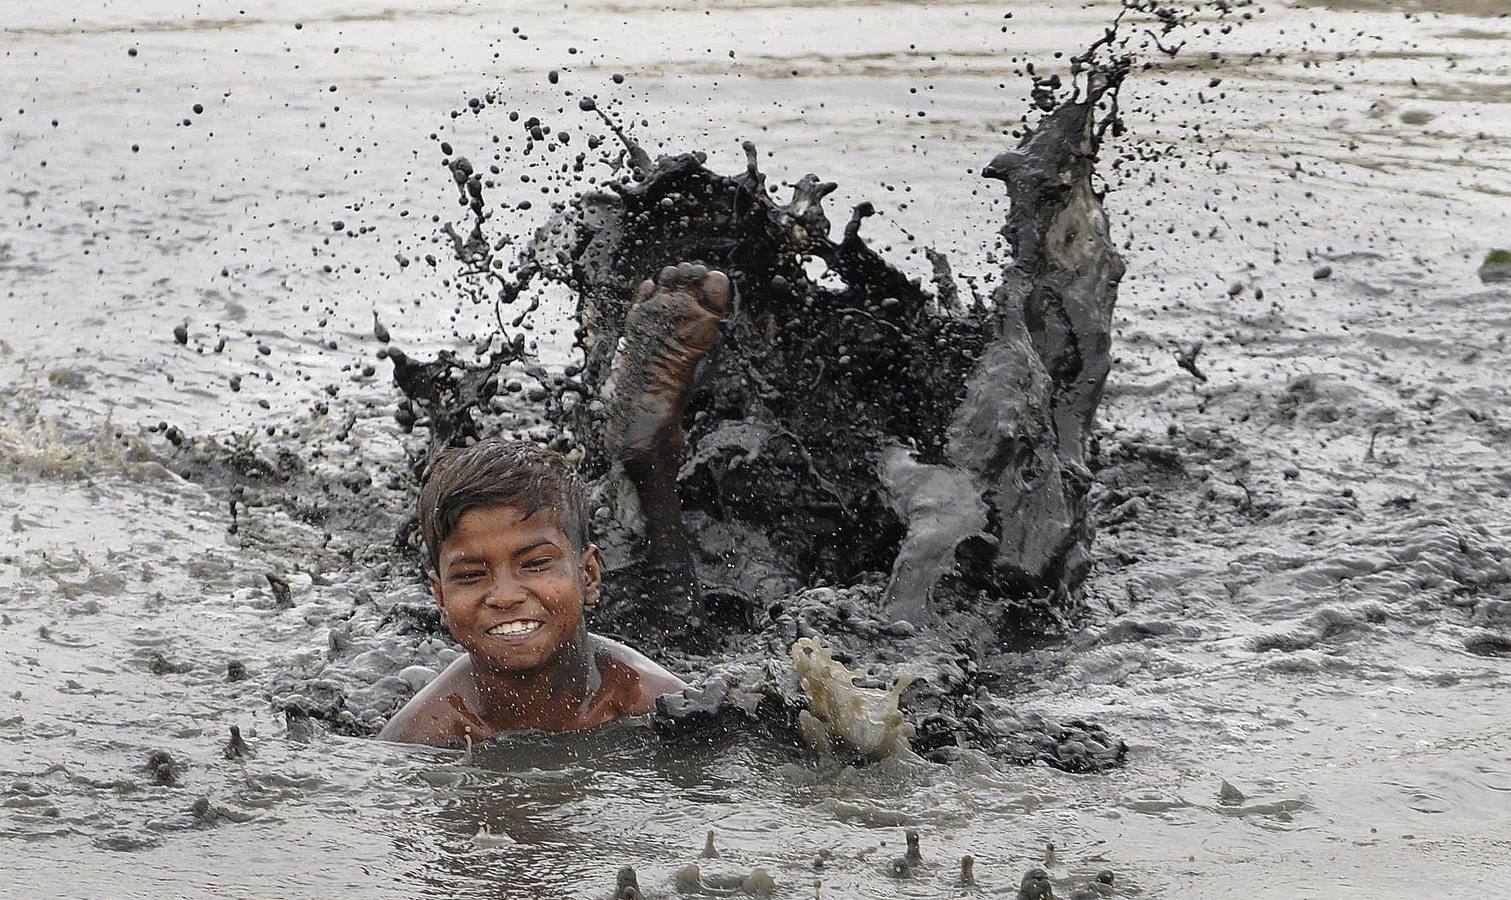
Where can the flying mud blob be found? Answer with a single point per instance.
(627, 885)
(486, 839)
(162, 767)
(236, 747)
(1036, 886)
(906, 865)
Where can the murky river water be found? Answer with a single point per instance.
(1303, 587)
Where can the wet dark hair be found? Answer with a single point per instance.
(519, 474)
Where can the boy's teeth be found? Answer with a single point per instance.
(514, 628)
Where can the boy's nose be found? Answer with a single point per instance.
(506, 592)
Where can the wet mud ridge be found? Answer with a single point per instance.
(878, 469)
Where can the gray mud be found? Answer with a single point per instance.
(1295, 608)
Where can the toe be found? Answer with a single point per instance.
(716, 292)
(668, 276)
(645, 290)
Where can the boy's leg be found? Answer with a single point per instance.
(672, 323)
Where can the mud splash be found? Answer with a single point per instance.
(851, 428)
(971, 405)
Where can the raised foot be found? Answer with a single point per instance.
(672, 324)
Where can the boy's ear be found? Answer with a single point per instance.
(592, 573)
(435, 588)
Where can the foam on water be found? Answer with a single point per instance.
(867, 719)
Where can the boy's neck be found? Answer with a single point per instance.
(548, 698)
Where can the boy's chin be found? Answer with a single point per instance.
(518, 658)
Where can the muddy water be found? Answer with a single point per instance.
(1302, 589)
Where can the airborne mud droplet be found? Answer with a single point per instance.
(236, 747)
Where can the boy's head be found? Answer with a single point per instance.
(505, 525)
(518, 474)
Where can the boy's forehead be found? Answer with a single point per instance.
(508, 521)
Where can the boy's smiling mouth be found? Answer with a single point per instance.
(521, 628)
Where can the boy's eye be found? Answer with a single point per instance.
(467, 577)
(539, 564)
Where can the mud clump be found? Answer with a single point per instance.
(1496, 267)
(236, 747)
(163, 768)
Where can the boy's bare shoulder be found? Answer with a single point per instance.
(438, 713)
(643, 678)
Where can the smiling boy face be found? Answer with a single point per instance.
(512, 587)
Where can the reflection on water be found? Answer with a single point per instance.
(1303, 586)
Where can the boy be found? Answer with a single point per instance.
(505, 525)
(506, 528)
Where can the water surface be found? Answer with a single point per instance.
(1303, 586)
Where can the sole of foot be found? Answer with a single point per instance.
(672, 324)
